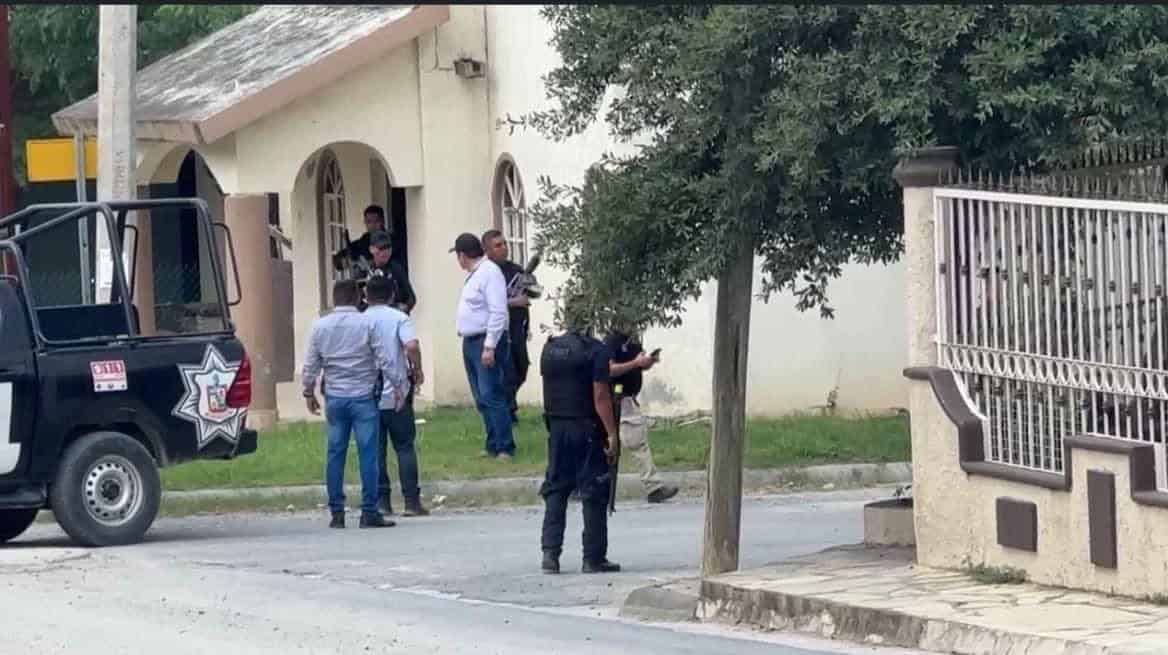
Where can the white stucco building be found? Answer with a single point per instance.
(334, 108)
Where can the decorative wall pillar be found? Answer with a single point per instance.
(247, 217)
(917, 175)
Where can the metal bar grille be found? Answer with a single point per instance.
(1053, 309)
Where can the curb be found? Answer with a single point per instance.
(675, 602)
(827, 476)
(773, 610)
(809, 594)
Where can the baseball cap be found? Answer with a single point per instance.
(380, 239)
(468, 244)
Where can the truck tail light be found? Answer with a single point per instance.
(239, 394)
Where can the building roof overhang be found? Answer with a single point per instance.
(255, 66)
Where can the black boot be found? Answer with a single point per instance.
(662, 494)
(385, 504)
(338, 520)
(414, 508)
(551, 563)
(603, 566)
(375, 520)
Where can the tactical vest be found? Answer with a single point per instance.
(566, 367)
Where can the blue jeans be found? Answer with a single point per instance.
(360, 417)
(489, 388)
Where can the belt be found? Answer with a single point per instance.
(481, 335)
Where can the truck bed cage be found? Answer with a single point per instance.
(113, 214)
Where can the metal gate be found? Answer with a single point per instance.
(1052, 308)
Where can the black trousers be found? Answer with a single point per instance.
(576, 463)
(520, 363)
(398, 429)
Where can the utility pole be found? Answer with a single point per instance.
(117, 67)
(7, 179)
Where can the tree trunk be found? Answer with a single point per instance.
(724, 476)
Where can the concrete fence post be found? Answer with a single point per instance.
(917, 175)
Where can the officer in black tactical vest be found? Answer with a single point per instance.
(582, 440)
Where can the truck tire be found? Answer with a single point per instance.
(13, 522)
(107, 490)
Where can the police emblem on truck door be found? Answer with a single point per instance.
(204, 401)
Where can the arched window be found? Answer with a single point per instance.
(511, 210)
(331, 192)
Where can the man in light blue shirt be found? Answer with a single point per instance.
(397, 425)
(351, 355)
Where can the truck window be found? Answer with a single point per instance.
(170, 269)
(71, 279)
(14, 328)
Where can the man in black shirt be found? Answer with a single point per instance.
(627, 366)
(582, 441)
(381, 250)
(359, 249)
(519, 316)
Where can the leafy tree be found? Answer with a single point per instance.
(53, 54)
(772, 132)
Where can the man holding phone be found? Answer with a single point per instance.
(626, 368)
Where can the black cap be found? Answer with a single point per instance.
(468, 244)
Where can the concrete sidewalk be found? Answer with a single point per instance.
(691, 482)
(880, 596)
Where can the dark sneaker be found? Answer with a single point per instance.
(603, 566)
(375, 520)
(414, 508)
(338, 520)
(385, 505)
(551, 564)
(662, 494)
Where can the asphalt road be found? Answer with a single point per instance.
(457, 582)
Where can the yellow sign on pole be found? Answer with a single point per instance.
(51, 160)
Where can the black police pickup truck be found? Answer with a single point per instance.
(97, 393)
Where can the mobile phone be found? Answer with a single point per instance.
(656, 354)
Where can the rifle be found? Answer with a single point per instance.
(355, 269)
(524, 283)
(614, 468)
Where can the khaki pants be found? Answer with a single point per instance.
(634, 437)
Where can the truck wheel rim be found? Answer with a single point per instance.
(113, 490)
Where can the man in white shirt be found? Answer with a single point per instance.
(486, 350)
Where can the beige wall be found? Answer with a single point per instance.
(427, 124)
(437, 135)
(796, 358)
(457, 160)
(954, 515)
(376, 104)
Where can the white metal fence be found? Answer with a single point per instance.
(1053, 309)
